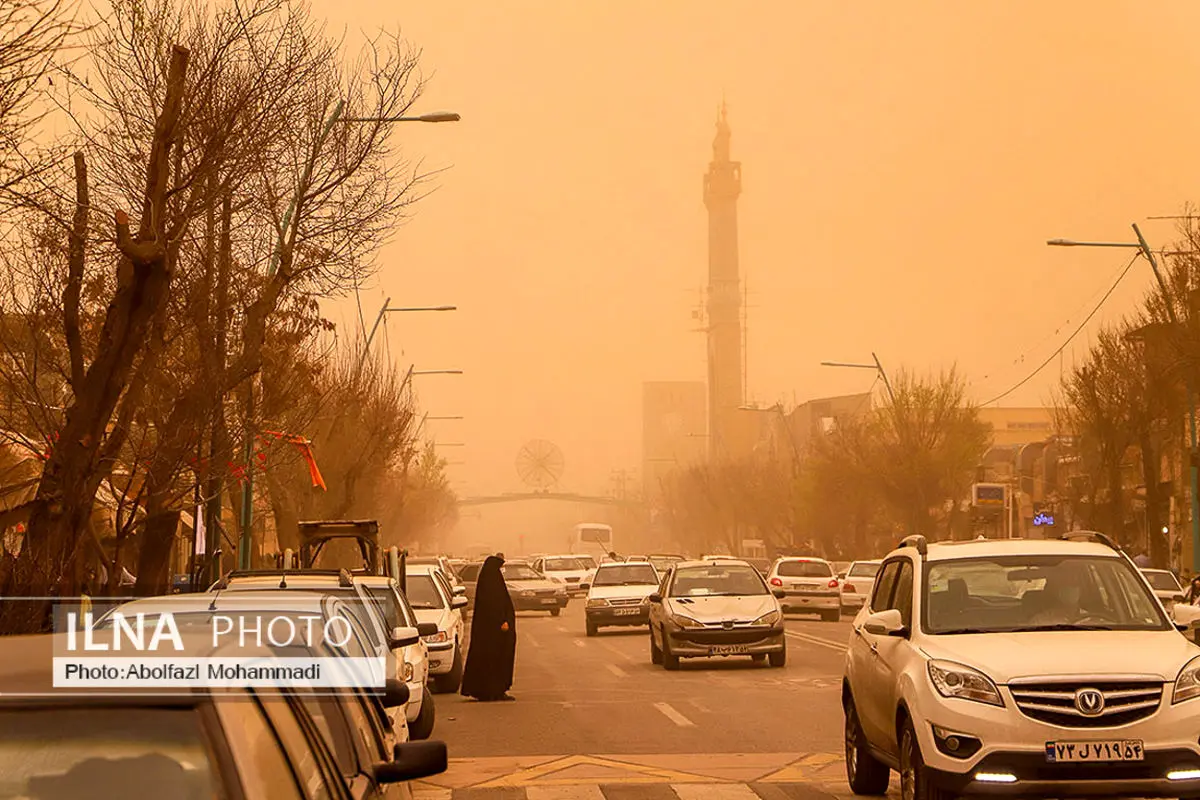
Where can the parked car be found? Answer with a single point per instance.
(1028, 668)
(376, 600)
(194, 744)
(718, 607)
(619, 595)
(857, 584)
(809, 585)
(1165, 585)
(433, 599)
(444, 564)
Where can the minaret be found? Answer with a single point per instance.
(722, 185)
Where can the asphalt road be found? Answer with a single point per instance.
(593, 718)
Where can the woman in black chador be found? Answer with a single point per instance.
(489, 671)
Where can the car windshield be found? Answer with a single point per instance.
(1037, 592)
(804, 569)
(565, 564)
(732, 579)
(519, 572)
(422, 592)
(861, 570)
(588, 562)
(88, 752)
(626, 575)
(1163, 581)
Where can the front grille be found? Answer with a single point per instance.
(545, 593)
(721, 636)
(626, 601)
(572, 580)
(1055, 703)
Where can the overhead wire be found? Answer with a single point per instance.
(1068, 340)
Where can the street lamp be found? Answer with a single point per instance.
(876, 367)
(1145, 251)
(386, 309)
(436, 116)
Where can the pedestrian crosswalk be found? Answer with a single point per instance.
(720, 776)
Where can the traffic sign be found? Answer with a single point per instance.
(989, 495)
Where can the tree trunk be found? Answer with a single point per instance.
(63, 504)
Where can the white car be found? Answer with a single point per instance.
(194, 611)
(1029, 668)
(432, 598)
(809, 586)
(719, 607)
(378, 603)
(619, 594)
(1165, 585)
(857, 585)
(442, 563)
(570, 570)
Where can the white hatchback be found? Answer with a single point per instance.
(809, 586)
(433, 599)
(857, 585)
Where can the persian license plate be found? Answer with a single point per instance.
(1109, 750)
(800, 587)
(727, 649)
(549, 601)
(625, 612)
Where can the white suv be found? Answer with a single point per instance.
(1028, 668)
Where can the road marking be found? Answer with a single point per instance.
(615, 670)
(532, 641)
(674, 716)
(700, 791)
(803, 637)
(578, 792)
(579, 643)
(562, 628)
(575, 770)
(619, 653)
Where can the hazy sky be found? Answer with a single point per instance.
(903, 166)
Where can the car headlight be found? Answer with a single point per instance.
(769, 618)
(646, 600)
(1187, 685)
(956, 680)
(435, 638)
(596, 602)
(685, 622)
(527, 593)
(406, 674)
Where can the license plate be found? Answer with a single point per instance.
(549, 601)
(727, 649)
(1082, 752)
(625, 612)
(806, 589)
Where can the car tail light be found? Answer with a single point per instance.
(849, 587)
(776, 582)
(833, 584)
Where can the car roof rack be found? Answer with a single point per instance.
(1090, 536)
(917, 541)
(345, 578)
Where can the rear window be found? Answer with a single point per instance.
(626, 575)
(126, 752)
(863, 571)
(805, 569)
(1163, 581)
(564, 564)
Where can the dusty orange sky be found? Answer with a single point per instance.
(903, 166)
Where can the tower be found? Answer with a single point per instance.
(722, 186)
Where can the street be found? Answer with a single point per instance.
(594, 719)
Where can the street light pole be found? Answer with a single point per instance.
(1193, 460)
(383, 311)
(875, 367)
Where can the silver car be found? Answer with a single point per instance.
(718, 607)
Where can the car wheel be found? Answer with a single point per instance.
(656, 655)
(778, 659)
(670, 661)
(452, 680)
(865, 775)
(914, 776)
(554, 612)
(422, 726)
(592, 630)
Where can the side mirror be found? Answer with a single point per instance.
(886, 623)
(458, 602)
(460, 591)
(427, 628)
(395, 694)
(655, 598)
(411, 761)
(403, 637)
(779, 593)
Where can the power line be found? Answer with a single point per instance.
(1074, 333)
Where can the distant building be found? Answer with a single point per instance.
(1018, 426)
(674, 430)
(822, 415)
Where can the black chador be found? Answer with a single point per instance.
(493, 648)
